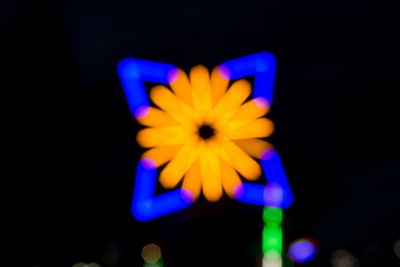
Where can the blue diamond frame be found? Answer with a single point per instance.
(145, 206)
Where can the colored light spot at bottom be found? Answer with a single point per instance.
(303, 250)
(272, 262)
(151, 253)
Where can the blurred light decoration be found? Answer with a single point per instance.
(303, 250)
(396, 247)
(272, 237)
(205, 132)
(272, 260)
(343, 258)
(151, 253)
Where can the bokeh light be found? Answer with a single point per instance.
(396, 247)
(272, 237)
(303, 250)
(133, 72)
(272, 259)
(343, 258)
(178, 117)
(272, 215)
(273, 195)
(151, 253)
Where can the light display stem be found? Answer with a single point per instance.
(272, 237)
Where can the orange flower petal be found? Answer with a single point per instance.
(192, 179)
(248, 129)
(162, 136)
(230, 179)
(171, 104)
(210, 172)
(254, 147)
(201, 90)
(161, 154)
(155, 117)
(252, 109)
(179, 83)
(231, 101)
(178, 166)
(239, 160)
(219, 83)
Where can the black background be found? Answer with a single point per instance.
(70, 139)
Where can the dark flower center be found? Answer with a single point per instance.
(206, 131)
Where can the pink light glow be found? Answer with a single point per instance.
(173, 75)
(148, 163)
(267, 154)
(273, 195)
(224, 72)
(261, 102)
(238, 191)
(142, 112)
(187, 195)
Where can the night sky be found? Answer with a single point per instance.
(70, 141)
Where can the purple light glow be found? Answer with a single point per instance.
(267, 154)
(261, 102)
(148, 163)
(173, 75)
(142, 112)
(238, 190)
(187, 195)
(224, 72)
(273, 195)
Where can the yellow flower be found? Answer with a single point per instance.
(205, 133)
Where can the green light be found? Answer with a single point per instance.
(272, 215)
(272, 238)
